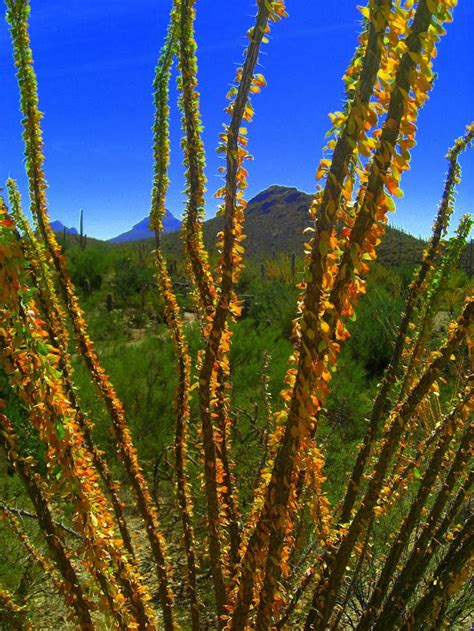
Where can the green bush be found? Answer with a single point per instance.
(373, 332)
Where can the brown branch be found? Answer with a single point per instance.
(18, 15)
(453, 568)
(279, 489)
(380, 403)
(326, 592)
(173, 316)
(425, 545)
(48, 526)
(55, 322)
(433, 470)
(21, 512)
(232, 220)
(12, 613)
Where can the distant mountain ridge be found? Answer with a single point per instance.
(141, 230)
(58, 226)
(274, 223)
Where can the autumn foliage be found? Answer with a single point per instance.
(293, 559)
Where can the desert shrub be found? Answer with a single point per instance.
(373, 332)
(89, 266)
(132, 279)
(272, 305)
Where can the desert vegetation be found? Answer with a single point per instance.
(295, 455)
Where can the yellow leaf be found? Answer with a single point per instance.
(325, 328)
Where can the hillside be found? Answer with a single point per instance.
(58, 226)
(275, 221)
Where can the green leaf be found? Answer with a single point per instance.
(42, 349)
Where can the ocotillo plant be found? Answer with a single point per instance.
(292, 559)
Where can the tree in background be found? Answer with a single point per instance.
(291, 559)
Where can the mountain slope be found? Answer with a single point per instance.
(275, 220)
(58, 226)
(141, 230)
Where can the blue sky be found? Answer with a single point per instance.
(95, 62)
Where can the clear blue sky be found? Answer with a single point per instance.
(95, 61)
